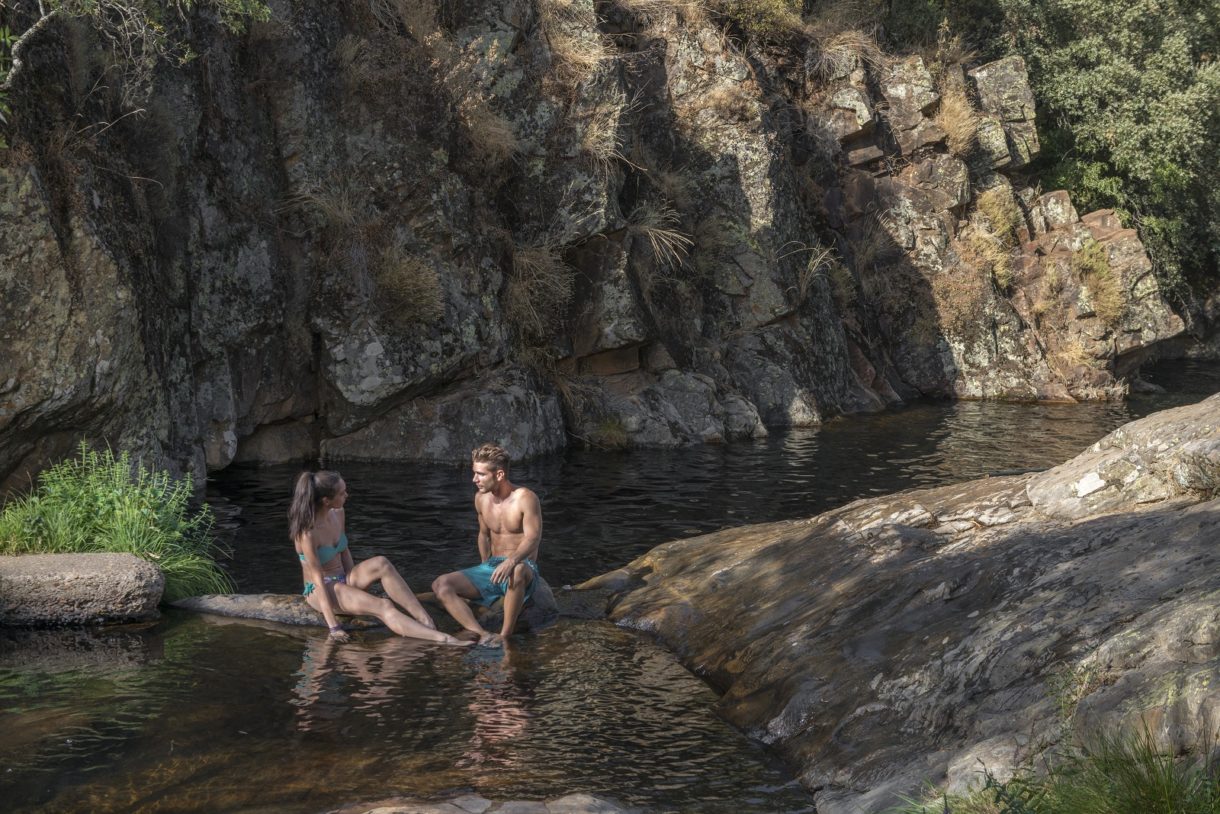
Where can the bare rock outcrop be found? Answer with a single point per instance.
(53, 590)
(343, 235)
(914, 638)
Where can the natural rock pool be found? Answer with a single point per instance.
(203, 714)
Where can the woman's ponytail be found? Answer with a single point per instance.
(307, 496)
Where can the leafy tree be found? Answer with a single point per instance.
(135, 31)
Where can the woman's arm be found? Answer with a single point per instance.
(313, 570)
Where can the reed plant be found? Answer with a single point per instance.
(102, 502)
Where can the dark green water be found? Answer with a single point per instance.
(198, 715)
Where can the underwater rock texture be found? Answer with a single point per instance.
(919, 637)
(364, 233)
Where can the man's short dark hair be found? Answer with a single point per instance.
(494, 456)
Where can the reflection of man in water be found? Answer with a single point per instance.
(510, 531)
(500, 707)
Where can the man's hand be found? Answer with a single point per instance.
(504, 572)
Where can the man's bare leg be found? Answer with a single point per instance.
(452, 591)
(514, 599)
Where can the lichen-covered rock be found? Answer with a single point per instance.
(53, 590)
(956, 616)
(1004, 92)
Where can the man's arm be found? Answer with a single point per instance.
(531, 528)
(484, 533)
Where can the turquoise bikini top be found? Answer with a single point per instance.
(326, 553)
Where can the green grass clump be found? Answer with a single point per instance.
(1114, 773)
(102, 503)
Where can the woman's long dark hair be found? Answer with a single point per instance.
(307, 497)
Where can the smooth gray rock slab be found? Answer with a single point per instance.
(52, 590)
(287, 609)
(1162, 456)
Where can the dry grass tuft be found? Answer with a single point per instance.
(842, 285)
(872, 245)
(733, 102)
(960, 294)
(1092, 264)
(576, 43)
(658, 222)
(330, 204)
(958, 118)
(411, 285)
(1003, 214)
(841, 53)
(987, 251)
(493, 136)
(539, 291)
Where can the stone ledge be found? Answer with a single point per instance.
(475, 804)
(52, 590)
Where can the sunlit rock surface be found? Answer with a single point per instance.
(51, 590)
(919, 637)
(341, 235)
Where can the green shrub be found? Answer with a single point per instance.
(762, 19)
(104, 503)
(1112, 773)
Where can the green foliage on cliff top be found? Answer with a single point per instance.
(1128, 94)
(103, 503)
(1111, 774)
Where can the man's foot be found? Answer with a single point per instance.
(490, 640)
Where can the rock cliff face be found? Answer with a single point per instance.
(914, 638)
(394, 229)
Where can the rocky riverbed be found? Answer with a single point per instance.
(920, 637)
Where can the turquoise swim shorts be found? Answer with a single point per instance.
(489, 592)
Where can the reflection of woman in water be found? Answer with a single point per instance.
(333, 582)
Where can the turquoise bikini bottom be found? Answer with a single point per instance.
(309, 586)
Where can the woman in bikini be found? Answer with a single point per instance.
(333, 581)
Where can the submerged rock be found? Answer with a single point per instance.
(50, 590)
(920, 637)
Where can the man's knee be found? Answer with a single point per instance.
(442, 586)
(523, 575)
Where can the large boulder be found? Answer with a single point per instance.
(921, 637)
(50, 590)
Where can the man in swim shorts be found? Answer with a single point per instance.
(510, 530)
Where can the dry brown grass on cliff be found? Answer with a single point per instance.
(732, 101)
(842, 52)
(411, 285)
(658, 223)
(987, 251)
(871, 245)
(958, 118)
(1105, 285)
(575, 41)
(331, 204)
(960, 294)
(1000, 209)
(493, 136)
(539, 291)
(690, 11)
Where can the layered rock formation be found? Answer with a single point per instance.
(921, 637)
(392, 230)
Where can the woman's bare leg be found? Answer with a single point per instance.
(356, 601)
(380, 569)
